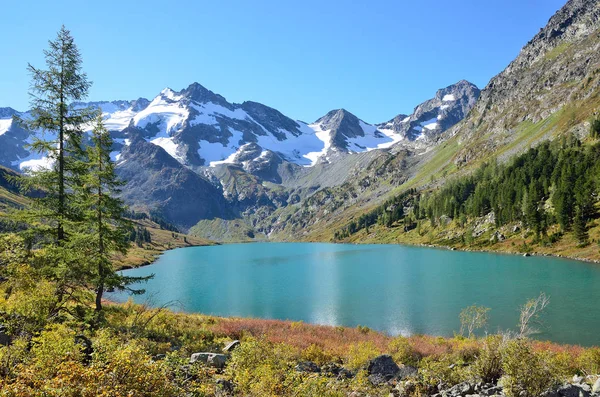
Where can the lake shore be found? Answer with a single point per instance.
(510, 242)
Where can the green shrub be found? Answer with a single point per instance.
(589, 361)
(260, 368)
(317, 387)
(526, 373)
(316, 354)
(433, 371)
(595, 127)
(488, 365)
(403, 352)
(360, 354)
(12, 355)
(55, 345)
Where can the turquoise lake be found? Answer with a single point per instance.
(390, 288)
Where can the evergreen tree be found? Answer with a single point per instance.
(580, 227)
(105, 229)
(61, 125)
(53, 217)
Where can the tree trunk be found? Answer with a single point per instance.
(100, 287)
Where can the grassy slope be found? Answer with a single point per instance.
(441, 166)
(162, 240)
(515, 242)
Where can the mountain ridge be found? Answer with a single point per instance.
(249, 158)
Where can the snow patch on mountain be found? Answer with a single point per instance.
(449, 98)
(5, 125)
(298, 149)
(217, 153)
(394, 138)
(325, 137)
(165, 112)
(170, 147)
(118, 120)
(208, 113)
(373, 139)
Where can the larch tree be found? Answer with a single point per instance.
(53, 217)
(59, 127)
(105, 228)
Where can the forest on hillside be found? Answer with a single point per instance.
(554, 183)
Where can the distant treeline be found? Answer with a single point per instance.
(554, 183)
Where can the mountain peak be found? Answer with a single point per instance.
(7, 112)
(336, 116)
(201, 94)
(462, 89)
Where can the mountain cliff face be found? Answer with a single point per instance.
(449, 106)
(191, 155)
(550, 90)
(555, 73)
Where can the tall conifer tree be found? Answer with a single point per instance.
(53, 219)
(105, 229)
(59, 126)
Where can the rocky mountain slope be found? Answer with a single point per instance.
(553, 81)
(191, 155)
(550, 90)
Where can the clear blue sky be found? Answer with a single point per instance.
(375, 58)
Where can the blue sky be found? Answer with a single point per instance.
(374, 58)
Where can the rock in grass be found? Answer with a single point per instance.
(224, 388)
(569, 390)
(381, 369)
(231, 346)
(199, 358)
(212, 359)
(307, 366)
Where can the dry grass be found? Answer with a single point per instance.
(335, 341)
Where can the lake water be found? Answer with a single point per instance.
(390, 288)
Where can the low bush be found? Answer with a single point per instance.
(526, 373)
(360, 354)
(403, 352)
(488, 365)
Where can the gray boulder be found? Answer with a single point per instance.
(497, 236)
(199, 358)
(381, 369)
(211, 359)
(231, 346)
(570, 390)
(406, 371)
(383, 365)
(338, 371)
(307, 366)
(217, 360)
(596, 387)
(378, 379)
(460, 390)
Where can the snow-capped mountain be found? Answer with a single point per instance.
(200, 128)
(449, 106)
(192, 155)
